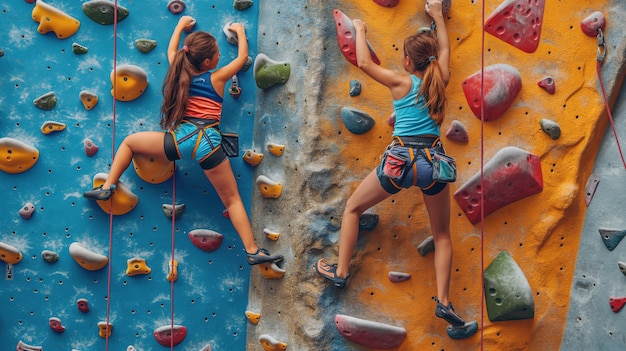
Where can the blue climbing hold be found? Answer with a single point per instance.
(357, 122)
(611, 237)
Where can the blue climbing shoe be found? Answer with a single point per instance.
(98, 193)
(448, 313)
(262, 256)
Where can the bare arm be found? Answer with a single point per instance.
(184, 23)
(434, 10)
(223, 74)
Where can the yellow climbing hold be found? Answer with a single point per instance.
(253, 317)
(16, 156)
(136, 266)
(89, 99)
(86, 258)
(271, 271)
(271, 344)
(152, 170)
(172, 276)
(252, 158)
(268, 187)
(105, 329)
(122, 200)
(52, 19)
(9, 254)
(129, 82)
(51, 127)
(275, 149)
(270, 234)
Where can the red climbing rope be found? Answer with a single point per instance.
(482, 180)
(172, 265)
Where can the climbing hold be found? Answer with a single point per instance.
(52, 126)
(88, 99)
(145, 45)
(368, 220)
(46, 101)
(355, 88)
(551, 128)
(171, 211)
(346, 36)
(21, 346)
(462, 332)
(1, 53)
(507, 293)
(9, 254)
(55, 20)
(90, 147)
(457, 132)
(242, 4)
(27, 210)
(153, 170)
(592, 23)
(172, 274)
(131, 348)
(105, 329)
(103, 11)
(590, 188)
(270, 234)
(396, 277)
(79, 49)
(611, 237)
(368, 333)
(426, 246)
(136, 266)
(205, 239)
(391, 120)
(122, 200)
(268, 187)
(387, 3)
(356, 121)
(622, 267)
(253, 317)
(231, 36)
(83, 305)
(511, 175)
(518, 23)
(252, 158)
(234, 89)
(176, 6)
(55, 324)
(271, 271)
(49, 256)
(271, 344)
(617, 303)
(225, 213)
(16, 156)
(502, 83)
(86, 258)
(168, 335)
(275, 149)
(268, 73)
(130, 82)
(547, 83)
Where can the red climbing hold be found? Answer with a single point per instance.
(592, 22)
(617, 303)
(501, 84)
(369, 333)
(512, 174)
(83, 305)
(387, 3)
(206, 239)
(55, 324)
(547, 83)
(517, 22)
(168, 336)
(347, 38)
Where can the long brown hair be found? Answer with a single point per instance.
(422, 49)
(197, 47)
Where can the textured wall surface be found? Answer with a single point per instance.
(552, 235)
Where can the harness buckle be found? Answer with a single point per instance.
(601, 46)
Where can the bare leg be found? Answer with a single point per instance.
(366, 195)
(438, 207)
(142, 143)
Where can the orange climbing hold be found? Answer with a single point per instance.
(270, 234)
(52, 126)
(172, 275)
(122, 201)
(105, 329)
(268, 187)
(152, 170)
(253, 317)
(275, 149)
(252, 158)
(271, 344)
(16, 156)
(136, 266)
(88, 99)
(271, 271)
(9, 254)
(54, 20)
(130, 82)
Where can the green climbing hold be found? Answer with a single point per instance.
(46, 101)
(507, 293)
(103, 12)
(145, 45)
(79, 49)
(268, 73)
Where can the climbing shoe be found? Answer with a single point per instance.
(262, 256)
(448, 313)
(329, 271)
(98, 193)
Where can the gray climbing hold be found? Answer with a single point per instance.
(168, 210)
(46, 101)
(426, 246)
(241, 5)
(611, 237)
(231, 36)
(357, 121)
(590, 187)
(396, 277)
(355, 88)
(507, 293)
(551, 128)
(49, 256)
(622, 267)
(462, 332)
(368, 220)
(27, 210)
(369, 333)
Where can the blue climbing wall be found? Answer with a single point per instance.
(211, 293)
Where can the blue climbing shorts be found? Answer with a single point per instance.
(199, 142)
(405, 166)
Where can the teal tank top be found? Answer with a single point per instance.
(413, 119)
